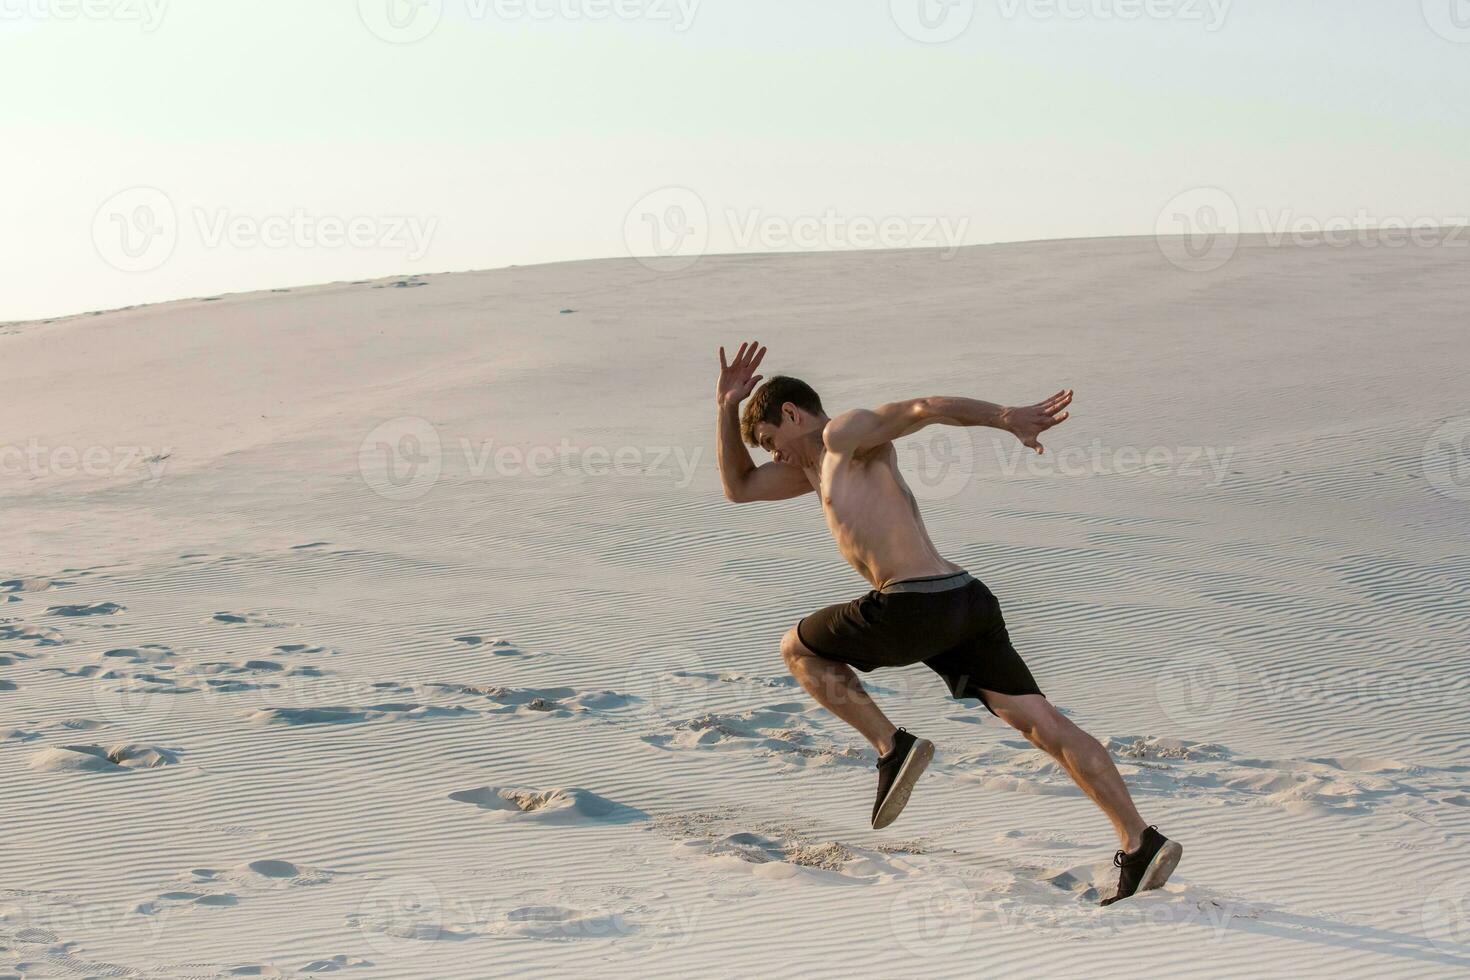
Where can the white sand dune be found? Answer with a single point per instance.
(299, 676)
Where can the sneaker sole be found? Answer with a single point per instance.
(1161, 867)
(903, 783)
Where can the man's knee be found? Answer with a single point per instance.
(792, 649)
(1038, 719)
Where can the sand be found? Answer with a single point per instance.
(400, 628)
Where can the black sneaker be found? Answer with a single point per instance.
(897, 773)
(1146, 868)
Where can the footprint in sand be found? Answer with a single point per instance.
(96, 758)
(560, 806)
(333, 963)
(787, 857)
(9, 658)
(555, 701)
(260, 620)
(558, 922)
(33, 584)
(267, 874)
(347, 715)
(87, 670)
(231, 686)
(41, 636)
(178, 900)
(148, 653)
(87, 609)
(81, 724)
(733, 677)
(143, 682)
(277, 873)
(251, 667)
(1178, 768)
(303, 649)
(307, 716)
(774, 731)
(1043, 839)
(495, 646)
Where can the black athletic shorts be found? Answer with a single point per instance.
(949, 623)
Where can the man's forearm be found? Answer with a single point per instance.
(735, 461)
(965, 411)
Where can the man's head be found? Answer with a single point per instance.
(782, 417)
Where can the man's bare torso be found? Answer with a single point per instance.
(874, 518)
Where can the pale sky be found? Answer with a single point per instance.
(160, 149)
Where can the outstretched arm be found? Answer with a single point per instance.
(743, 481)
(861, 430)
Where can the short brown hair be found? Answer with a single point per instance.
(765, 404)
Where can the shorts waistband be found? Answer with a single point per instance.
(931, 583)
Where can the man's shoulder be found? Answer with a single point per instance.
(841, 433)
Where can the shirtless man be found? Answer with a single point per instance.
(923, 608)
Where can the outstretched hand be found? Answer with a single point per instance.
(1031, 421)
(738, 380)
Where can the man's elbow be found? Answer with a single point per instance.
(735, 495)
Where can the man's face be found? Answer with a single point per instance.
(785, 441)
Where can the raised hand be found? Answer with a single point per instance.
(738, 380)
(1030, 421)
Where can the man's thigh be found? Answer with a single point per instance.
(845, 632)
